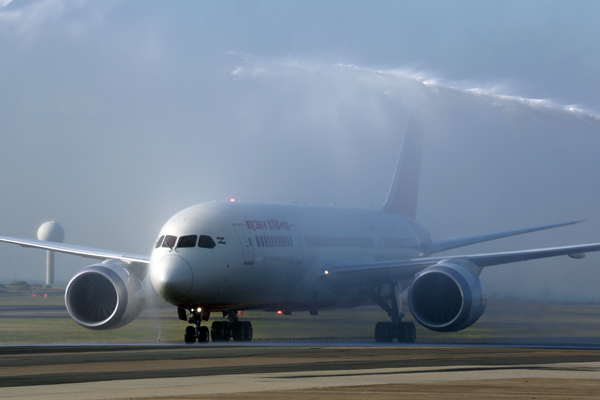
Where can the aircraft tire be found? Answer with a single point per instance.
(226, 333)
(190, 335)
(402, 333)
(203, 336)
(237, 333)
(412, 332)
(384, 332)
(247, 331)
(217, 331)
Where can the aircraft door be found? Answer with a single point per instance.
(245, 242)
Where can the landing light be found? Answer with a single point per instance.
(279, 312)
(199, 309)
(232, 199)
(326, 272)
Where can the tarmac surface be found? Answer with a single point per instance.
(299, 371)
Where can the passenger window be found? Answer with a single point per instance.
(169, 241)
(206, 242)
(187, 241)
(159, 242)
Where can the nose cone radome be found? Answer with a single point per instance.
(172, 278)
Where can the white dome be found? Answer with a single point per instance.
(51, 232)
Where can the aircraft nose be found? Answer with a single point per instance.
(172, 278)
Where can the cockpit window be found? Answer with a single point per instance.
(169, 241)
(159, 242)
(187, 241)
(206, 242)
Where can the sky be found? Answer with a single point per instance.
(116, 115)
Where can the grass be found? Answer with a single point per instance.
(26, 300)
(502, 319)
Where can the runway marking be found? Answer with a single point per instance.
(563, 367)
(241, 383)
(200, 363)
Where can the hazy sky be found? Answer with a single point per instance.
(116, 115)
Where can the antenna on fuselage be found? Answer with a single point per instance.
(402, 198)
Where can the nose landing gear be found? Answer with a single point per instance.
(194, 332)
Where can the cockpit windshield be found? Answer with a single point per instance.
(187, 241)
(169, 241)
(206, 241)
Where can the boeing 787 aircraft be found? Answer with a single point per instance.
(223, 257)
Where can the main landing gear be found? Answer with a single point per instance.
(386, 332)
(240, 331)
(220, 331)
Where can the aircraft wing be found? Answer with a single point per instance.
(77, 250)
(369, 274)
(446, 244)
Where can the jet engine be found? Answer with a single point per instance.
(104, 296)
(447, 297)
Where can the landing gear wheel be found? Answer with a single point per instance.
(236, 332)
(219, 331)
(216, 331)
(241, 331)
(226, 334)
(247, 331)
(406, 332)
(412, 332)
(401, 333)
(384, 332)
(190, 335)
(203, 334)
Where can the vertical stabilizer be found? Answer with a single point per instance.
(402, 198)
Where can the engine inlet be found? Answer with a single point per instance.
(92, 298)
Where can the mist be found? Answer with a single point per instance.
(116, 116)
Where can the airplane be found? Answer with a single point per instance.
(224, 257)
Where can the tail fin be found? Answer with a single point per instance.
(402, 198)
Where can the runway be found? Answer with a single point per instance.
(303, 371)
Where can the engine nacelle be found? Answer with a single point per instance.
(104, 296)
(447, 297)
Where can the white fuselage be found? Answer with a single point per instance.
(269, 256)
